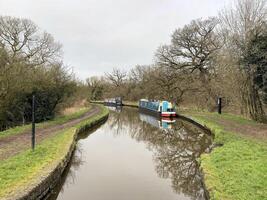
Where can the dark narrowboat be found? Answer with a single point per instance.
(158, 108)
(117, 101)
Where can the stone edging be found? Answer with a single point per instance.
(44, 187)
(208, 131)
(203, 127)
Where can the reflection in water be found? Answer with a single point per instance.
(173, 154)
(164, 123)
(115, 108)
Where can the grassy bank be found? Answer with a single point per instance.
(130, 103)
(124, 103)
(57, 120)
(238, 169)
(23, 170)
(97, 102)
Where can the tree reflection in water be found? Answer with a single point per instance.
(175, 151)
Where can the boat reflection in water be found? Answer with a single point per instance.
(115, 108)
(163, 123)
(130, 157)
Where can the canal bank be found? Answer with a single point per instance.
(133, 104)
(237, 168)
(136, 156)
(32, 174)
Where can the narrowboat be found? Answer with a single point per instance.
(159, 108)
(117, 101)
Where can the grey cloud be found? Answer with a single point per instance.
(100, 34)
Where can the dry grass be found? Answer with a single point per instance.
(77, 106)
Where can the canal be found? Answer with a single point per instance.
(134, 156)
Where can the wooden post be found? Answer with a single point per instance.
(220, 105)
(33, 122)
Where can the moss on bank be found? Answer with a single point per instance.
(23, 170)
(238, 169)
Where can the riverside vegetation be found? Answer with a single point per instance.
(237, 169)
(222, 56)
(21, 171)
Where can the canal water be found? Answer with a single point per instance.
(134, 156)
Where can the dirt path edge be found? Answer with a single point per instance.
(44, 186)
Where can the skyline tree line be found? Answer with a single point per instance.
(223, 56)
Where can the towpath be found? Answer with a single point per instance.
(235, 124)
(14, 144)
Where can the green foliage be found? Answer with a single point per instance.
(237, 170)
(30, 64)
(256, 55)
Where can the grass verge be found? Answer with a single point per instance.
(238, 169)
(57, 120)
(20, 171)
(130, 103)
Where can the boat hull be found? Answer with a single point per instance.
(157, 113)
(150, 112)
(168, 114)
(112, 104)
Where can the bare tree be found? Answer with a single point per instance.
(192, 50)
(24, 42)
(96, 87)
(240, 24)
(30, 61)
(116, 77)
(141, 82)
(171, 84)
(192, 47)
(136, 74)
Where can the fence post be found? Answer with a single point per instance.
(220, 105)
(33, 122)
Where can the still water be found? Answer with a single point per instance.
(134, 156)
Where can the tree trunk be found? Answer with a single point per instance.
(209, 95)
(252, 102)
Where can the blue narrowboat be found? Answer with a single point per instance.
(160, 108)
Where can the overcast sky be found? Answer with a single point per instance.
(98, 35)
